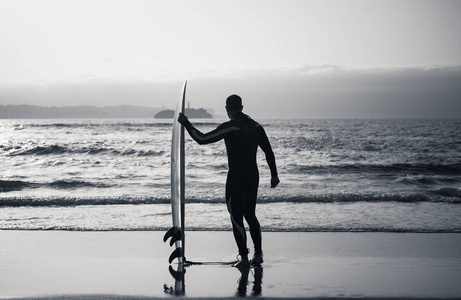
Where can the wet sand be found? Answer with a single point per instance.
(134, 265)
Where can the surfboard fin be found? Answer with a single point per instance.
(176, 237)
(175, 254)
(172, 232)
(177, 274)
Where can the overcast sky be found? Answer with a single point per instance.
(285, 58)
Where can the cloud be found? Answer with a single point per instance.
(339, 92)
(325, 91)
(91, 91)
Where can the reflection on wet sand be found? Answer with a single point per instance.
(179, 287)
(243, 282)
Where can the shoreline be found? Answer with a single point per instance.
(230, 230)
(309, 265)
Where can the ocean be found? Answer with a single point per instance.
(401, 175)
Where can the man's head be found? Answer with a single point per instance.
(233, 105)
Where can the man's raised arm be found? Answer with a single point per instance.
(205, 138)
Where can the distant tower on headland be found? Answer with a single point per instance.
(199, 113)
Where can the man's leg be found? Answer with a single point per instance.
(235, 206)
(250, 215)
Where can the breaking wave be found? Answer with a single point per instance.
(14, 185)
(57, 149)
(17, 185)
(448, 195)
(418, 169)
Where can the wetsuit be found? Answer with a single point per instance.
(242, 136)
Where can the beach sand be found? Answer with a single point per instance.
(106, 265)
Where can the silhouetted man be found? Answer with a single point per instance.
(242, 136)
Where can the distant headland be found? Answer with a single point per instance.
(199, 113)
(90, 112)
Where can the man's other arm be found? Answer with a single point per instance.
(270, 157)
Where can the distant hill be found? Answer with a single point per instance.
(189, 112)
(75, 112)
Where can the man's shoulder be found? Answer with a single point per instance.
(249, 120)
(226, 124)
(254, 123)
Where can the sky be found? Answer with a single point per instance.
(286, 58)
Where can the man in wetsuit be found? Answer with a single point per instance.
(242, 136)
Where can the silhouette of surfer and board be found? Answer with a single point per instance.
(176, 234)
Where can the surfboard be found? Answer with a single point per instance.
(176, 232)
